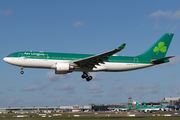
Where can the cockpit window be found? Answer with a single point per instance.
(10, 55)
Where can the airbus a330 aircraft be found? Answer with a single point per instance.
(145, 108)
(162, 108)
(124, 108)
(64, 63)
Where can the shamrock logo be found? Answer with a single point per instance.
(160, 47)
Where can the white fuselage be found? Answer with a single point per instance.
(51, 64)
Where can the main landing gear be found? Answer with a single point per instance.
(22, 72)
(85, 75)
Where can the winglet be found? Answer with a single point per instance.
(122, 46)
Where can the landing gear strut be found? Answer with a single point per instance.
(85, 75)
(22, 72)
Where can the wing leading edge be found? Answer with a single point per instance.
(96, 59)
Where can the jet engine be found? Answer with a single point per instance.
(63, 68)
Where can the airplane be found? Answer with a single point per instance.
(162, 108)
(64, 63)
(124, 108)
(145, 108)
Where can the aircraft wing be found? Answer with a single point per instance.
(96, 59)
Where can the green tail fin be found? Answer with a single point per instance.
(159, 49)
(137, 104)
(130, 106)
(144, 104)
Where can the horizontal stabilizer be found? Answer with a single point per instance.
(162, 60)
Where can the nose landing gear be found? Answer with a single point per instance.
(22, 72)
(85, 75)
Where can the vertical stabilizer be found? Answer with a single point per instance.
(159, 49)
(137, 104)
(144, 104)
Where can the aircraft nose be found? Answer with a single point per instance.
(4, 59)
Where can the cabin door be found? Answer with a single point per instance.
(135, 61)
(20, 56)
(45, 57)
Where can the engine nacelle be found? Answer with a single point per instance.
(62, 68)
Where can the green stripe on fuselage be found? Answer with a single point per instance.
(71, 56)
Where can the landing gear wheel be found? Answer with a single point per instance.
(82, 76)
(22, 72)
(85, 75)
(89, 78)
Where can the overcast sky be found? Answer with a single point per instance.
(88, 27)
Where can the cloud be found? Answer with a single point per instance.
(118, 87)
(67, 87)
(37, 81)
(172, 27)
(13, 101)
(157, 25)
(51, 96)
(51, 76)
(54, 78)
(174, 75)
(11, 88)
(34, 88)
(142, 24)
(5, 12)
(78, 24)
(144, 89)
(95, 76)
(121, 79)
(94, 87)
(97, 96)
(167, 14)
(44, 93)
(115, 90)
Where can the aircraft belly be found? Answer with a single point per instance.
(115, 67)
(125, 66)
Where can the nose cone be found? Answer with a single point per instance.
(5, 59)
(8, 60)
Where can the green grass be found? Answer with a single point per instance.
(101, 118)
(70, 116)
